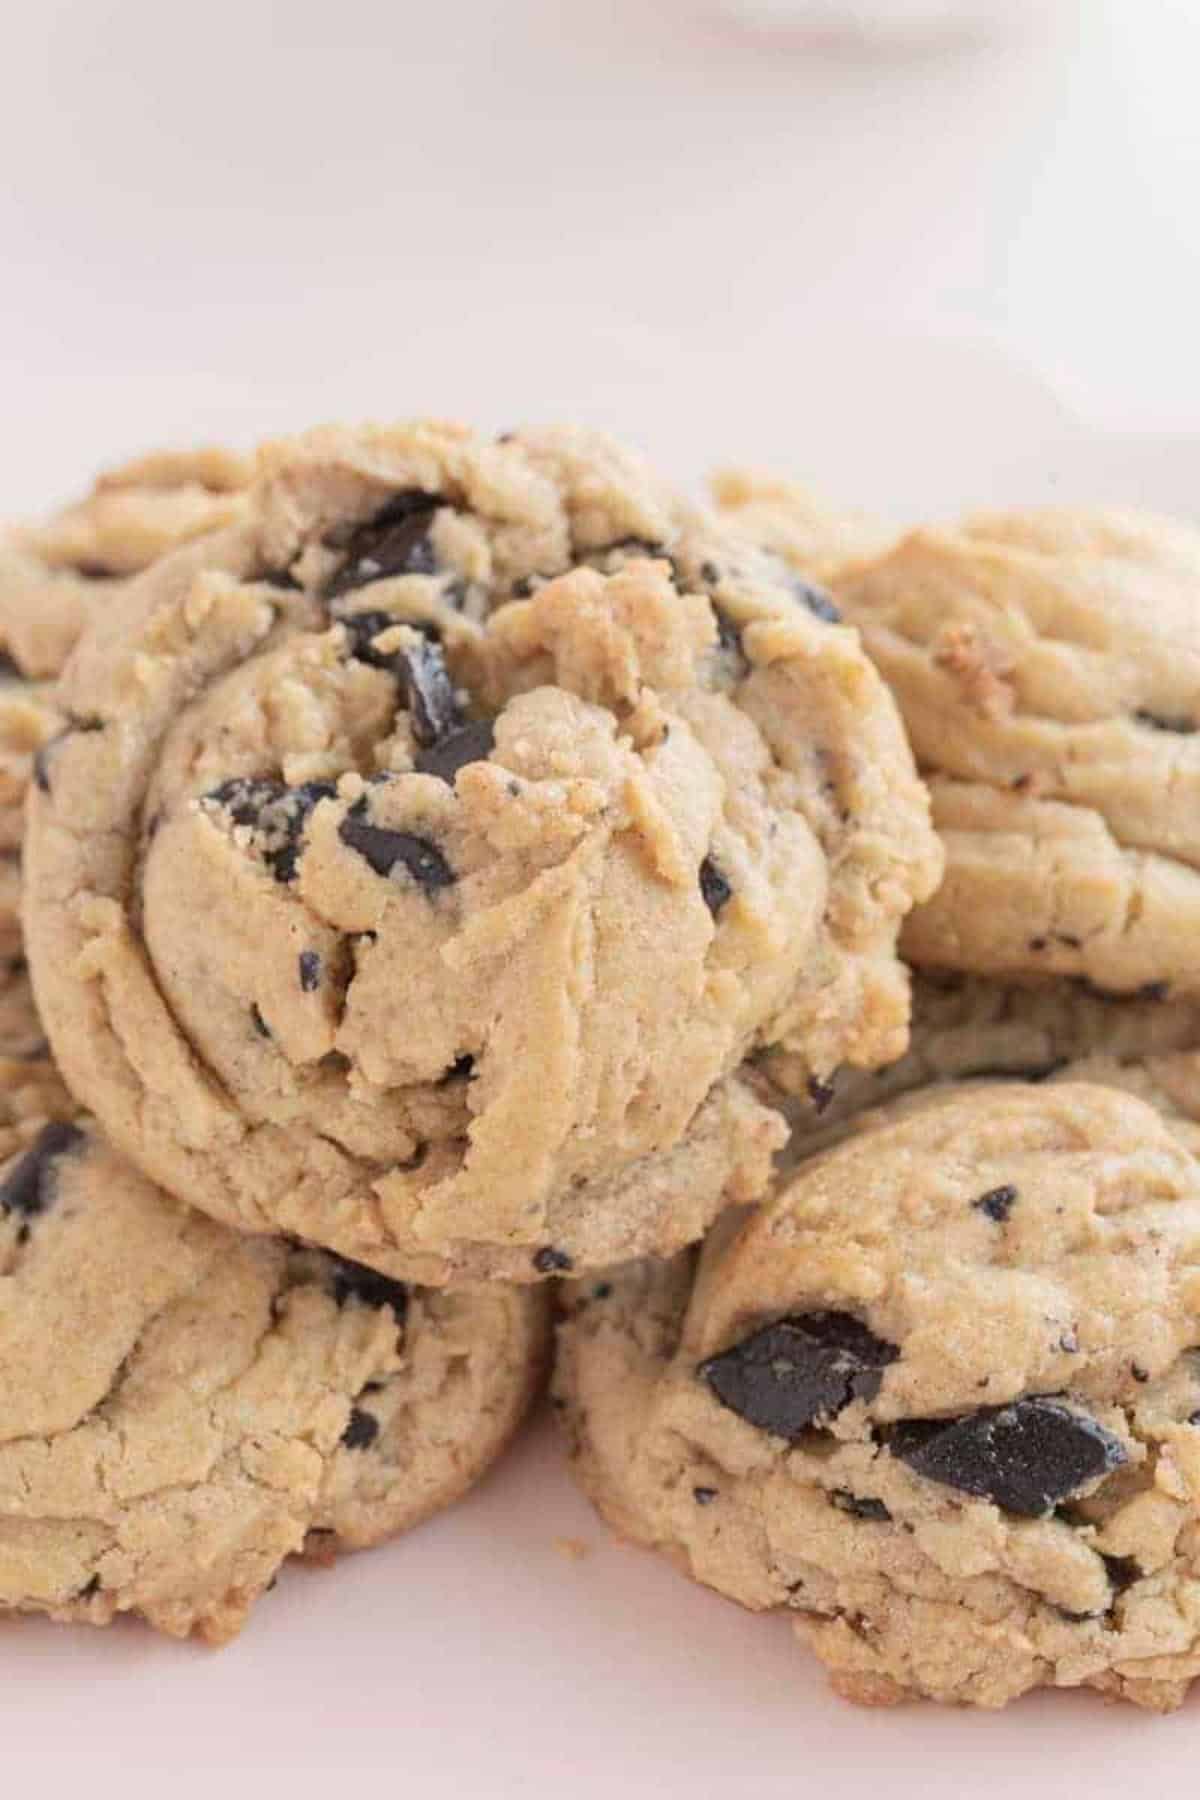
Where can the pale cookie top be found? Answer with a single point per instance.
(940, 1398)
(182, 1407)
(1048, 668)
(54, 576)
(429, 851)
(29, 721)
(796, 524)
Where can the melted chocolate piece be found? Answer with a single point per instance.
(791, 1375)
(395, 542)
(861, 1506)
(470, 743)
(310, 971)
(704, 1496)
(997, 1203)
(429, 692)
(819, 603)
(387, 850)
(278, 813)
(28, 1189)
(1179, 723)
(1026, 1457)
(354, 1281)
(362, 1428)
(715, 891)
(549, 1261)
(821, 1093)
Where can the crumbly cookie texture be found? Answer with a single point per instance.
(29, 721)
(56, 575)
(968, 1027)
(427, 852)
(1048, 668)
(182, 1407)
(792, 522)
(940, 1399)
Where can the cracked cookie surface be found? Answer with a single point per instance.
(56, 575)
(1048, 668)
(424, 856)
(939, 1399)
(183, 1407)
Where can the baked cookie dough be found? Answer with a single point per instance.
(54, 576)
(939, 1399)
(792, 522)
(967, 1027)
(1048, 668)
(29, 721)
(183, 1407)
(426, 853)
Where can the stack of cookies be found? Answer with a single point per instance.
(457, 872)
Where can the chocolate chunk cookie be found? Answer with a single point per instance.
(54, 576)
(428, 851)
(939, 1399)
(1048, 668)
(183, 1407)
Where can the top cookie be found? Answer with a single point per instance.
(429, 851)
(54, 576)
(1048, 668)
(939, 1398)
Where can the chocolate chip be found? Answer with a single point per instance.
(819, 603)
(310, 971)
(1139, 1374)
(277, 813)
(28, 1187)
(470, 743)
(460, 1070)
(362, 1429)
(710, 573)
(354, 1281)
(280, 578)
(260, 1024)
(1026, 1456)
(387, 850)
(90, 1589)
(429, 693)
(44, 754)
(549, 1261)
(729, 635)
(714, 889)
(799, 1370)
(602, 1290)
(1180, 723)
(395, 541)
(1122, 1571)
(704, 1496)
(362, 628)
(997, 1203)
(821, 1093)
(861, 1506)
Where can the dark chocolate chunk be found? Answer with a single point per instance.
(997, 1203)
(1180, 723)
(549, 1261)
(729, 636)
(278, 813)
(354, 1281)
(387, 850)
(362, 1429)
(43, 756)
(429, 693)
(704, 1496)
(28, 1187)
(280, 578)
(714, 889)
(470, 743)
(1139, 1374)
(310, 971)
(861, 1506)
(602, 1290)
(260, 1024)
(821, 1093)
(362, 628)
(819, 603)
(1122, 1571)
(799, 1371)
(1027, 1456)
(395, 542)
(90, 1589)
(461, 1069)
(710, 573)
